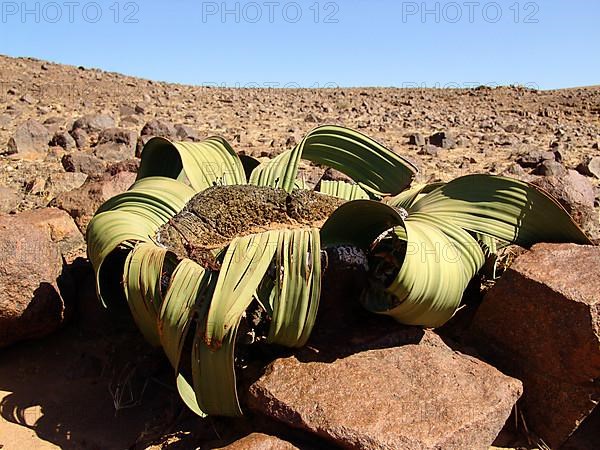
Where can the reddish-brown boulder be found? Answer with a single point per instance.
(259, 441)
(416, 396)
(116, 144)
(60, 228)
(576, 194)
(82, 203)
(9, 199)
(152, 129)
(33, 244)
(541, 324)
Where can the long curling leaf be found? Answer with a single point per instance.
(202, 164)
(156, 199)
(359, 222)
(506, 209)
(181, 302)
(144, 270)
(133, 216)
(343, 190)
(441, 259)
(110, 230)
(375, 168)
(295, 296)
(244, 266)
(409, 197)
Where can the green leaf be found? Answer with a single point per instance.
(187, 394)
(245, 264)
(133, 216)
(156, 199)
(375, 168)
(446, 233)
(182, 300)
(295, 296)
(359, 222)
(203, 164)
(280, 172)
(409, 197)
(506, 209)
(144, 269)
(431, 273)
(440, 261)
(342, 189)
(110, 230)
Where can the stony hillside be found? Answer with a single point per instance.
(73, 375)
(486, 130)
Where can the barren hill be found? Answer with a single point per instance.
(488, 127)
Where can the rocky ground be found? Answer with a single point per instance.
(69, 140)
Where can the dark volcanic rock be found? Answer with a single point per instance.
(590, 167)
(541, 323)
(442, 139)
(64, 140)
(82, 139)
(128, 165)
(30, 138)
(83, 162)
(550, 168)
(94, 123)
(113, 151)
(116, 144)
(152, 129)
(119, 136)
(187, 133)
(160, 128)
(417, 139)
(534, 158)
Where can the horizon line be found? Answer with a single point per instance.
(438, 86)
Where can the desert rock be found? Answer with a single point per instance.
(33, 244)
(84, 163)
(416, 396)
(29, 138)
(590, 167)
(541, 323)
(576, 194)
(94, 123)
(64, 140)
(81, 204)
(259, 441)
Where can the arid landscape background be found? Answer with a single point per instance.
(94, 384)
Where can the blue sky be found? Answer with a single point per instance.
(546, 44)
